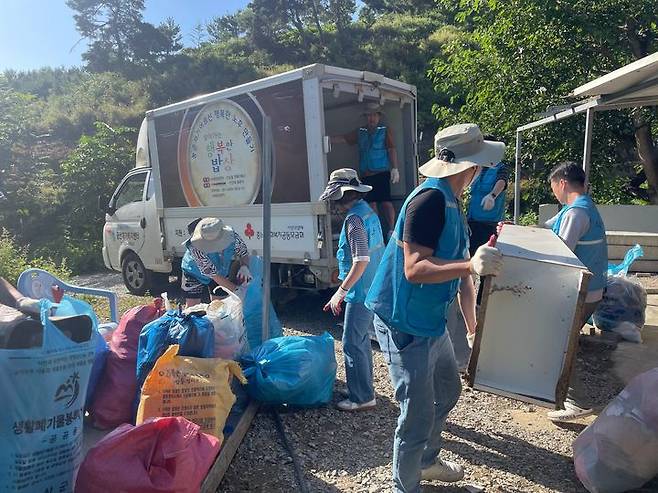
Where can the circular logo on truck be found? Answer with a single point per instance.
(219, 157)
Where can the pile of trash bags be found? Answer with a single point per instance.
(619, 450)
(163, 379)
(622, 309)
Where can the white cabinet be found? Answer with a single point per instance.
(530, 318)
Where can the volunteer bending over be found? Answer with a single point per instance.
(209, 257)
(426, 265)
(360, 249)
(580, 226)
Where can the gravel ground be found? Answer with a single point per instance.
(504, 445)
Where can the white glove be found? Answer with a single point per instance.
(29, 306)
(488, 202)
(470, 339)
(395, 176)
(335, 302)
(244, 274)
(487, 261)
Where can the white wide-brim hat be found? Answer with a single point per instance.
(342, 180)
(460, 147)
(211, 235)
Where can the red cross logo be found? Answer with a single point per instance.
(249, 231)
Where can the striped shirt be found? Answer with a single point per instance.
(357, 238)
(204, 263)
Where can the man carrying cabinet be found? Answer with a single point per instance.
(426, 265)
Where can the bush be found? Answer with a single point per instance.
(14, 259)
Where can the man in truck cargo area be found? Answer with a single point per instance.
(378, 160)
(209, 255)
(426, 265)
(580, 226)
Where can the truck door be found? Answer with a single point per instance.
(125, 231)
(152, 254)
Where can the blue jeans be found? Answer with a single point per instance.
(424, 374)
(358, 352)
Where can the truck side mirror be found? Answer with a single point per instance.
(104, 207)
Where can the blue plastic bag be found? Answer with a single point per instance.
(252, 307)
(296, 370)
(71, 306)
(631, 256)
(194, 333)
(44, 391)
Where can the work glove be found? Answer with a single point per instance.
(488, 202)
(336, 301)
(487, 261)
(244, 274)
(470, 339)
(395, 176)
(29, 306)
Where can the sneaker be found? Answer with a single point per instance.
(348, 405)
(443, 470)
(569, 413)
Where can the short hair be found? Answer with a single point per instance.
(569, 171)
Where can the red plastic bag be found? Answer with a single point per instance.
(115, 392)
(162, 455)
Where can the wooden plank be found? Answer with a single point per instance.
(475, 353)
(563, 382)
(228, 450)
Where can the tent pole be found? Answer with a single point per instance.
(587, 149)
(517, 178)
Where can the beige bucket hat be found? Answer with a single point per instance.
(341, 180)
(211, 235)
(460, 147)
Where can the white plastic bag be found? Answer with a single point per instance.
(622, 308)
(619, 450)
(228, 322)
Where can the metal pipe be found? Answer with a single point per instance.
(517, 178)
(587, 146)
(267, 223)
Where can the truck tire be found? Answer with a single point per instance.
(136, 277)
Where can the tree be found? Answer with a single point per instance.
(514, 59)
(93, 170)
(119, 38)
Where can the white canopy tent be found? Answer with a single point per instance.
(631, 86)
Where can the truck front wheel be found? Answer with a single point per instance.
(135, 276)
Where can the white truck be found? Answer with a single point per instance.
(203, 157)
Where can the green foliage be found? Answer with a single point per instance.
(92, 170)
(106, 97)
(14, 259)
(513, 60)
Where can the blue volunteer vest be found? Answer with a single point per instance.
(419, 309)
(373, 156)
(592, 248)
(221, 261)
(357, 293)
(481, 187)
